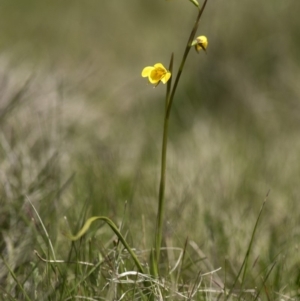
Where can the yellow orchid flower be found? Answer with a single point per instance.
(200, 43)
(156, 74)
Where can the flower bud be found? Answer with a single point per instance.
(200, 43)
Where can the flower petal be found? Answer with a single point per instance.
(160, 66)
(154, 76)
(146, 71)
(166, 77)
(202, 43)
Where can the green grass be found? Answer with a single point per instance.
(80, 136)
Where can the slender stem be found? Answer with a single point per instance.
(161, 195)
(158, 236)
(186, 52)
(169, 100)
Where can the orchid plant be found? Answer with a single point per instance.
(156, 74)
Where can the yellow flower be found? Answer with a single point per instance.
(200, 43)
(156, 74)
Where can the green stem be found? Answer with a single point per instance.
(158, 237)
(161, 195)
(186, 52)
(169, 101)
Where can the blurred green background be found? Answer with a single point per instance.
(86, 130)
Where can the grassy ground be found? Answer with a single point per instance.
(80, 135)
